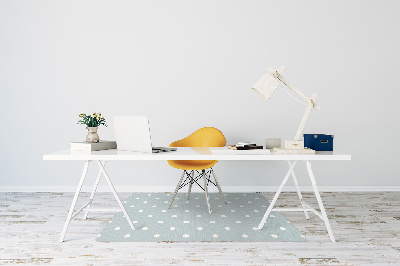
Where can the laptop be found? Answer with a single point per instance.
(133, 134)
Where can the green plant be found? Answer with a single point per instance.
(93, 120)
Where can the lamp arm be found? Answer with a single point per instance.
(305, 117)
(293, 88)
(311, 102)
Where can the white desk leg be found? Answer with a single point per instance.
(321, 205)
(271, 206)
(93, 192)
(71, 210)
(116, 195)
(299, 192)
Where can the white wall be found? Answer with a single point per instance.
(189, 64)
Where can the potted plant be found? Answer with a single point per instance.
(92, 123)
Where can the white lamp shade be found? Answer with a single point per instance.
(266, 86)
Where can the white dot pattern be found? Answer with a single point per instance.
(236, 221)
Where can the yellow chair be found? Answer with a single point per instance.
(204, 137)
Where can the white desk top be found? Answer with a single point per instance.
(184, 153)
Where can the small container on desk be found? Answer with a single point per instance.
(271, 143)
(318, 142)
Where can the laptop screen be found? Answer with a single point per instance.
(132, 133)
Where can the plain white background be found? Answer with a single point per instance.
(190, 64)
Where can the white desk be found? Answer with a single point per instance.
(194, 154)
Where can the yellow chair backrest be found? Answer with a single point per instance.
(204, 137)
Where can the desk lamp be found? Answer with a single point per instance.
(266, 86)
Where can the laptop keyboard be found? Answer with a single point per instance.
(162, 149)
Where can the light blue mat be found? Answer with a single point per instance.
(189, 220)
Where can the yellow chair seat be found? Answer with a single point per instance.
(191, 164)
(204, 137)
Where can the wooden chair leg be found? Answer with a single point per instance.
(190, 184)
(206, 190)
(177, 188)
(218, 186)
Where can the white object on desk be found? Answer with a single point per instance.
(203, 153)
(271, 143)
(132, 133)
(225, 150)
(86, 146)
(293, 151)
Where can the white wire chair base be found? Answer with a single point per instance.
(191, 179)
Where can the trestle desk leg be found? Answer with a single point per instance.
(116, 195)
(271, 206)
(321, 205)
(93, 192)
(71, 210)
(299, 192)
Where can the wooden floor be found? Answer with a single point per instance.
(365, 224)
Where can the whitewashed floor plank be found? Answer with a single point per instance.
(366, 227)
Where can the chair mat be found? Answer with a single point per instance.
(189, 220)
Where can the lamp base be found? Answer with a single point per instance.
(293, 151)
(294, 144)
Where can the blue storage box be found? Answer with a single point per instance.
(318, 142)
